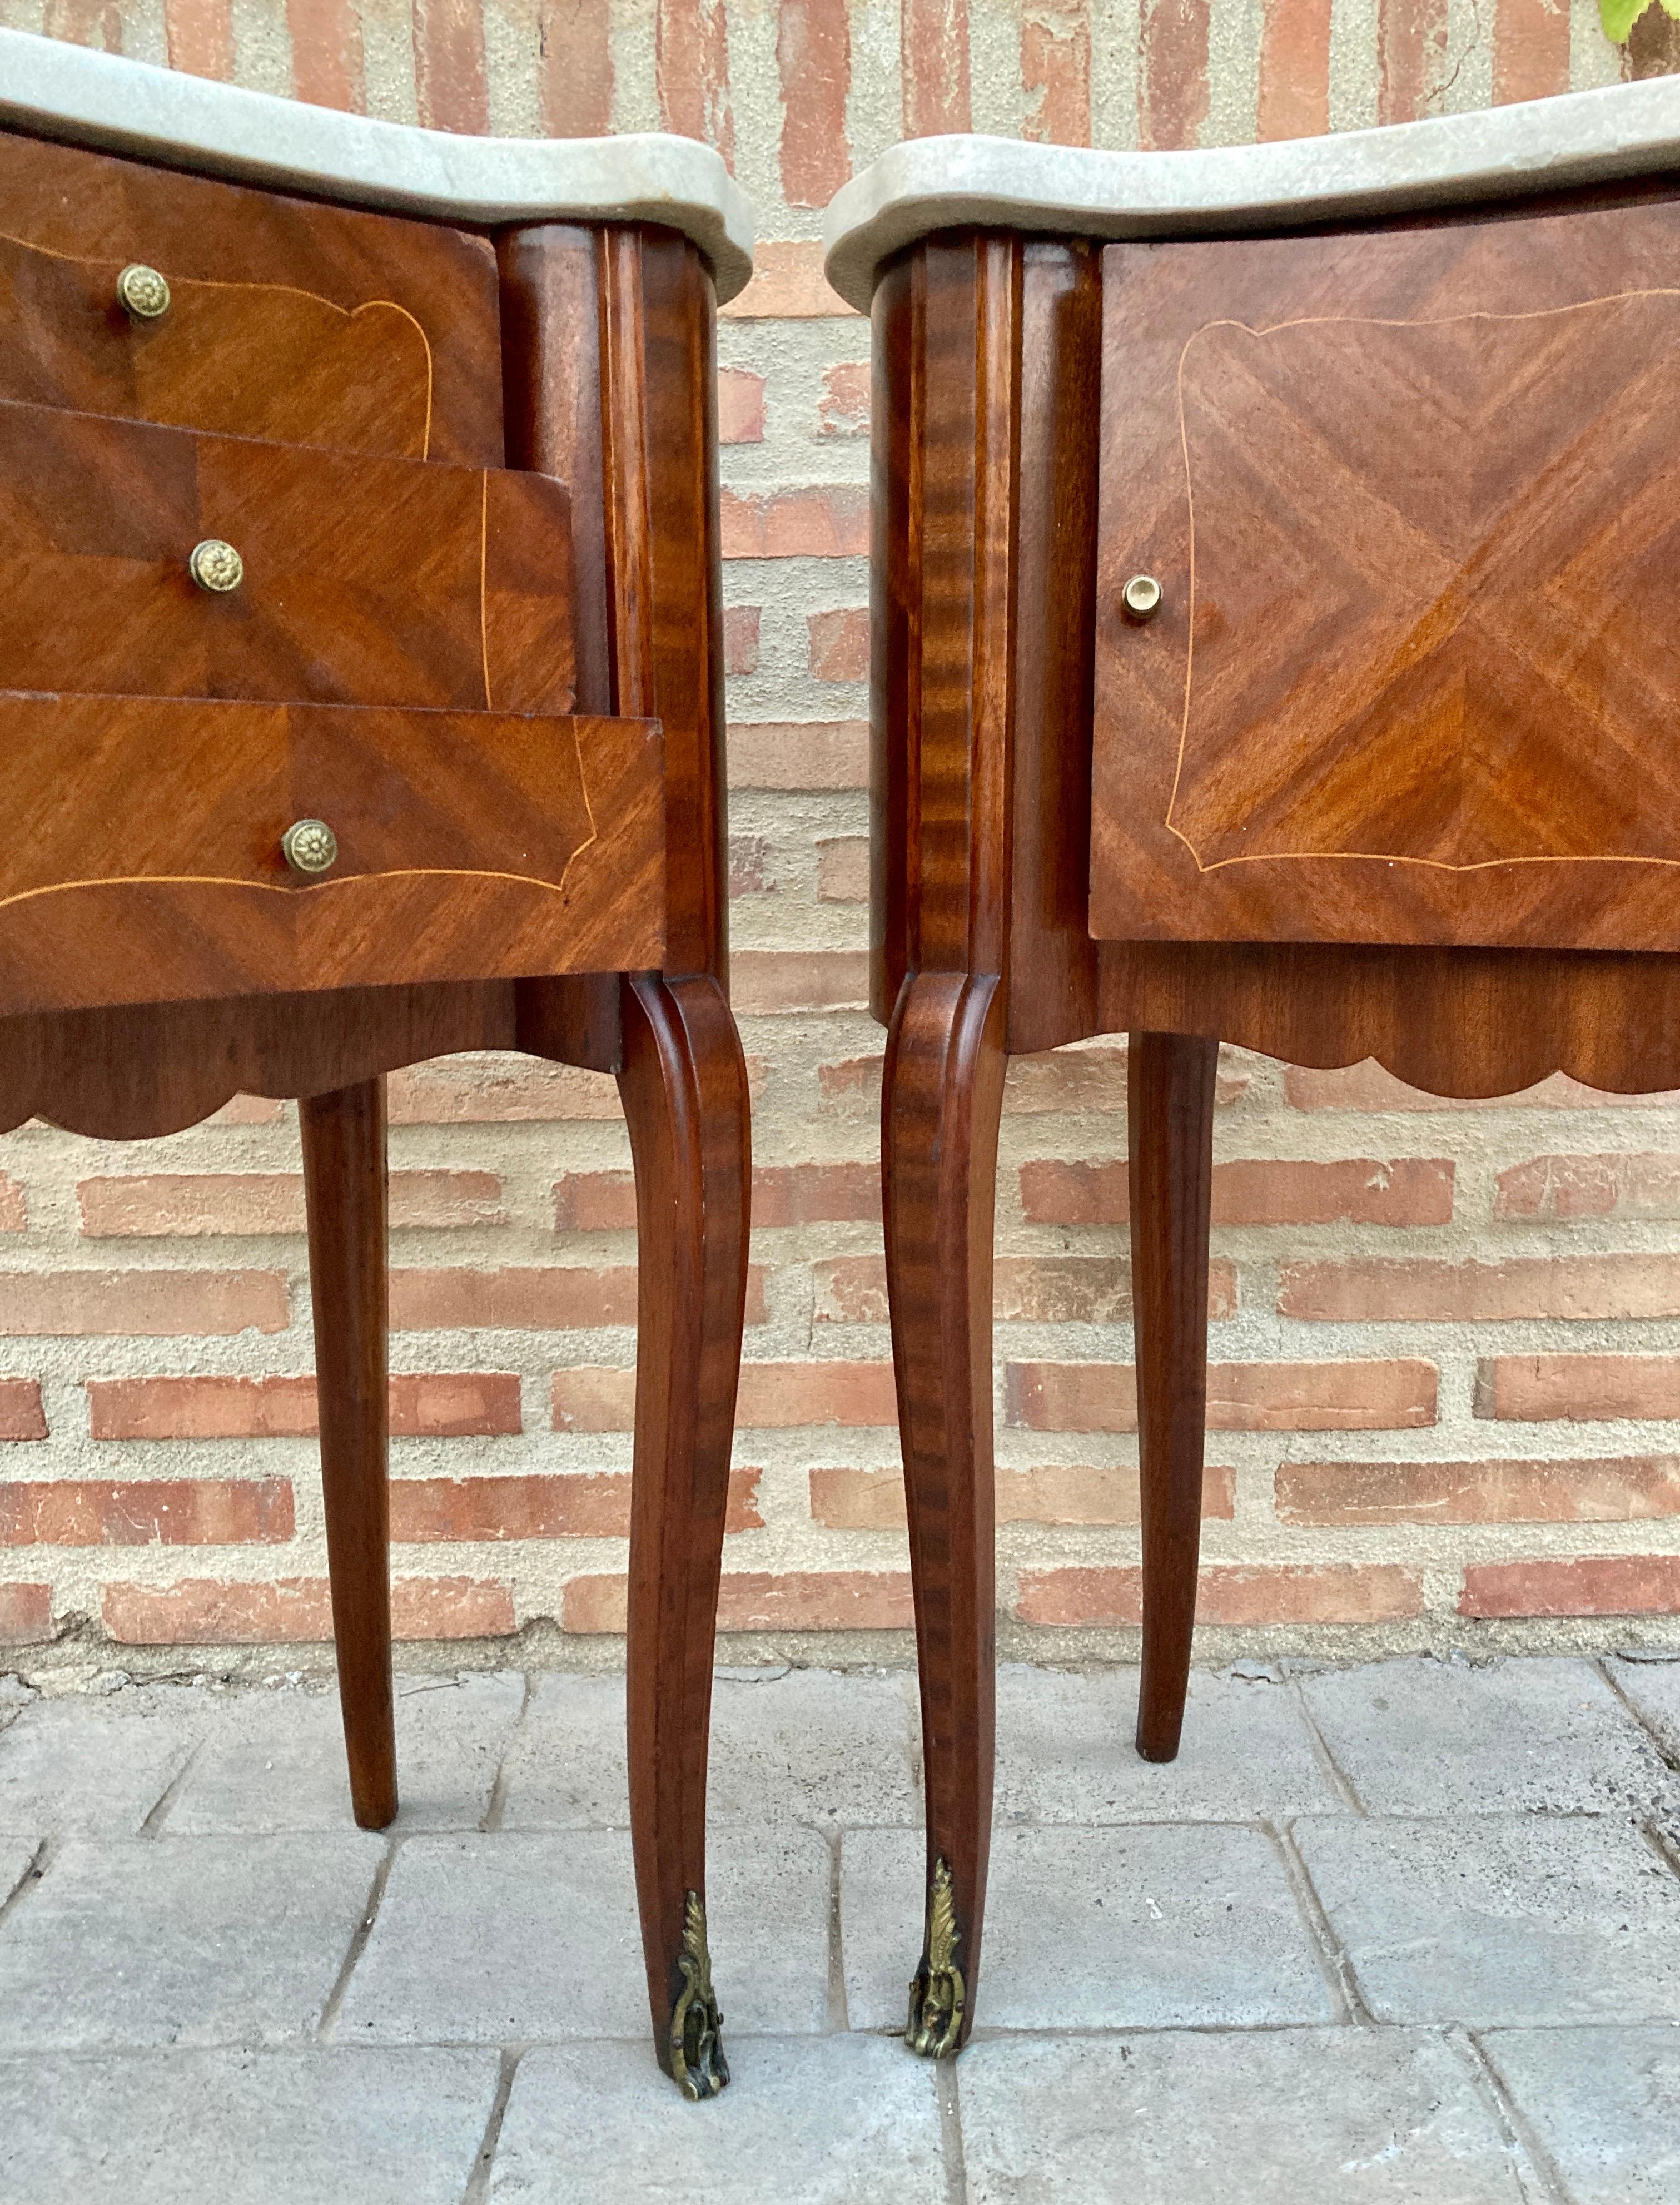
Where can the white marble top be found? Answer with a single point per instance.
(86, 98)
(1541, 145)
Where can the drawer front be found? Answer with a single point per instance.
(365, 581)
(1413, 501)
(145, 857)
(304, 323)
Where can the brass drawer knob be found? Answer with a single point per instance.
(142, 292)
(215, 566)
(1142, 597)
(311, 846)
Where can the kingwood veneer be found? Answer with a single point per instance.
(1375, 760)
(464, 454)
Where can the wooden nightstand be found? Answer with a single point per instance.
(361, 638)
(1275, 563)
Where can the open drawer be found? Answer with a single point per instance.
(145, 856)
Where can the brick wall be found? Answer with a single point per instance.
(1446, 1390)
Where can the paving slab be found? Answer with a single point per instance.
(274, 1761)
(1517, 1919)
(1329, 2116)
(1066, 1752)
(806, 1745)
(834, 2120)
(1655, 1689)
(134, 1941)
(242, 2128)
(1544, 1736)
(97, 1765)
(1114, 1928)
(1605, 2103)
(523, 1935)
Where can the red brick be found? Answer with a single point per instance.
(800, 754)
(21, 1414)
(43, 1304)
(13, 1210)
(1026, 1289)
(934, 67)
(526, 1298)
(783, 1396)
(498, 1090)
(750, 862)
(1616, 1491)
(840, 645)
(740, 638)
(198, 35)
(1054, 1493)
(296, 1611)
(692, 72)
(593, 1398)
(1590, 1584)
(574, 65)
(1413, 1191)
(596, 1202)
(1368, 1087)
(1412, 54)
(1590, 1186)
(1056, 72)
(451, 90)
(1172, 72)
(1584, 1389)
(424, 1405)
(185, 1512)
(239, 1203)
(740, 407)
(1531, 42)
(832, 523)
(1383, 1290)
(816, 1194)
(1234, 1593)
(1295, 69)
(763, 981)
(843, 869)
(814, 63)
(843, 409)
(584, 1505)
(25, 1614)
(1242, 1397)
(788, 285)
(800, 1600)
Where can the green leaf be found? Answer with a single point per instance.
(1619, 17)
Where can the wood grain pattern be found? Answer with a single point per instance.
(95, 213)
(1415, 677)
(366, 581)
(146, 862)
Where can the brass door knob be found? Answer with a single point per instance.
(215, 566)
(311, 846)
(142, 292)
(1142, 597)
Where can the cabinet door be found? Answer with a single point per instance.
(1413, 501)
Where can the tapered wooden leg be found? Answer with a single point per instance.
(683, 1086)
(344, 1189)
(1170, 1117)
(939, 1109)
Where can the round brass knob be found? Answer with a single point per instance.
(1142, 597)
(142, 292)
(214, 565)
(311, 846)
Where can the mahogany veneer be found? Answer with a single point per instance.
(1390, 772)
(472, 477)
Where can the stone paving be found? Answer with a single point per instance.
(1402, 1934)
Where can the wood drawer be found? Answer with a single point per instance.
(366, 581)
(143, 857)
(1413, 498)
(304, 323)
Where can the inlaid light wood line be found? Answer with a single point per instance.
(484, 584)
(1369, 322)
(280, 290)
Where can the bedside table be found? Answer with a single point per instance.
(361, 637)
(1274, 641)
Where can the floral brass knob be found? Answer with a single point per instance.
(215, 566)
(142, 292)
(1142, 597)
(311, 846)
